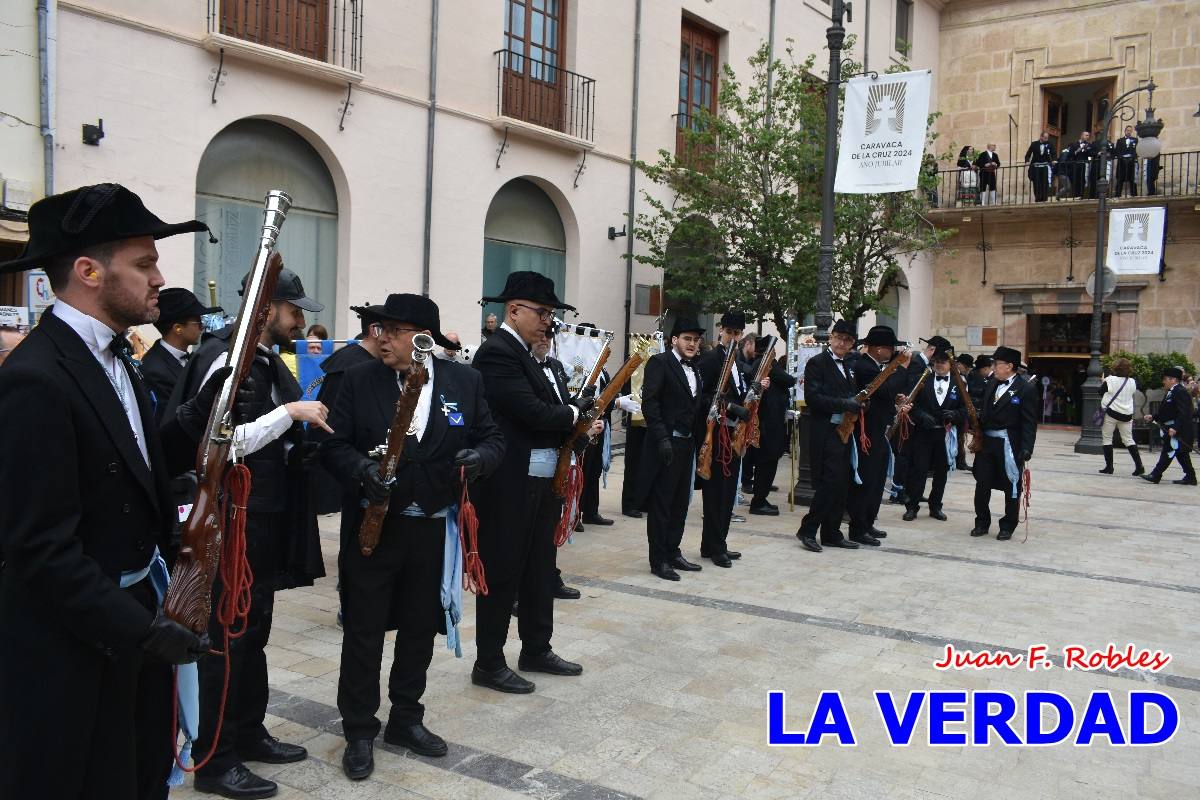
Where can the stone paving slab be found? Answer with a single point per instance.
(672, 702)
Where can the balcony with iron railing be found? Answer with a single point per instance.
(322, 37)
(1174, 175)
(542, 95)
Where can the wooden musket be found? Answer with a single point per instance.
(704, 458)
(976, 443)
(748, 433)
(845, 428)
(586, 419)
(907, 400)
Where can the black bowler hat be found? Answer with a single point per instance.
(881, 336)
(941, 355)
(938, 343)
(734, 320)
(761, 344)
(364, 311)
(177, 304)
(88, 216)
(1173, 372)
(983, 361)
(1007, 354)
(686, 325)
(417, 310)
(966, 360)
(844, 326)
(290, 289)
(532, 286)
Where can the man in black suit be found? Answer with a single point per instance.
(179, 325)
(964, 365)
(936, 413)
(399, 584)
(1008, 417)
(86, 508)
(902, 460)
(593, 460)
(720, 489)
(987, 162)
(865, 497)
(518, 510)
(772, 430)
(1174, 417)
(1125, 153)
(829, 392)
(671, 390)
(1082, 173)
(1040, 157)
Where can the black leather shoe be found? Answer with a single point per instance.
(865, 538)
(502, 680)
(878, 534)
(810, 543)
(765, 511)
(1185, 482)
(977, 531)
(679, 562)
(734, 555)
(899, 500)
(417, 738)
(1152, 478)
(549, 662)
(1004, 536)
(270, 750)
(236, 782)
(909, 514)
(632, 512)
(564, 592)
(358, 761)
(843, 543)
(597, 520)
(665, 572)
(721, 560)
(579, 527)
(939, 515)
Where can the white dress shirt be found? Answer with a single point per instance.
(841, 366)
(1001, 388)
(253, 436)
(98, 337)
(420, 417)
(941, 389)
(689, 371)
(180, 355)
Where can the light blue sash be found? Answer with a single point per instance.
(835, 420)
(606, 455)
(452, 581)
(1010, 462)
(542, 462)
(952, 447)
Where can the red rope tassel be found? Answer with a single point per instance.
(571, 498)
(1026, 494)
(864, 441)
(724, 445)
(233, 604)
(904, 430)
(474, 579)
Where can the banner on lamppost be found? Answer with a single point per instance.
(1135, 240)
(883, 133)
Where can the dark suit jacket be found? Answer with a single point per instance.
(335, 367)
(668, 406)
(1176, 408)
(983, 159)
(1039, 152)
(772, 413)
(1126, 148)
(882, 409)
(826, 390)
(1017, 412)
(327, 490)
(709, 365)
(161, 371)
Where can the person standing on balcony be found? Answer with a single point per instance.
(987, 162)
(1125, 151)
(1040, 157)
(1082, 152)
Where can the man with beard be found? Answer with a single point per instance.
(282, 546)
(86, 509)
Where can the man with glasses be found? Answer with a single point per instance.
(518, 510)
(180, 327)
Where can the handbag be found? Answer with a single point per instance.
(1098, 417)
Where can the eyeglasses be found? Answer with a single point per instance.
(391, 331)
(544, 314)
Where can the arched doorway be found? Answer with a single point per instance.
(522, 231)
(238, 167)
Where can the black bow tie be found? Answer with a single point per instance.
(121, 348)
(1003, 383)
(941, 377)
(688, 362)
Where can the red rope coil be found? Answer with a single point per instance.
(474, 579)
(864, 441)
(724, 443)
(1026, 495)
(571, 498)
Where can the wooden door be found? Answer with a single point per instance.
(698, 78)
(534, 79)
(1054, 116)
(297, 26)
(1099, 105)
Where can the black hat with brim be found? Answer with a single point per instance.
(843, 326)
(983, 361)
(881, 336)
(938, 343)
(761, 344)
(417, 310)
(177, 304)
(1008, 354)
(89, 216)
(686, 325)
(965, 359)
(364, 311)
(941, 355)
(1173, 372)
(734, 320)
(532, 286)
(290, 289)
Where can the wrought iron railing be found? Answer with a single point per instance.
(545, 94)
(1174, 175)
(324, 30)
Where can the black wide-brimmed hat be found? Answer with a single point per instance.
(844, 326)
(88, 216)
(364, 311)
(938, 343)
(1009, 354)
(734, 320)
(1173, 372)
(532, 286)
(177, 304)
(762, 343)
(983, 361)
(686, 325)
(965, 359)
(417, 310)
(290, 288)
(881, 336)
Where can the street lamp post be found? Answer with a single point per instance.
(1090, 438)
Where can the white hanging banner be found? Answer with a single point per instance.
(577, 348)
(1135, 240)
(883, 133)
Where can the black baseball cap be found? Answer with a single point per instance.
(290, 288)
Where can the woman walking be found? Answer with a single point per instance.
(1117, 403)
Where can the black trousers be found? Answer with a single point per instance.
(929, 455)
(903, 463)
(765, 469)
(830, 468)
(593, 465)
(863, 500)
(1126, 173)
(1183, 455)
(399, 585)
(635, 438)
(668, 501)
(1040, 178)
(1079, 176)
(749, 466)
(719, 493)
(990, 476)
(987, 180)
(531, 583)
(246, 703)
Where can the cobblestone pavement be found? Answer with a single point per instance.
(673, 699)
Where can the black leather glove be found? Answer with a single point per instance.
(666, 453)
(173, 643)
(740, 413)
(950, 416)
(374, 488)
(850, 404)
(1025, 456)
(584, 404)
(193, 415)
(469, 460)
(590, 391)
(302, 456)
